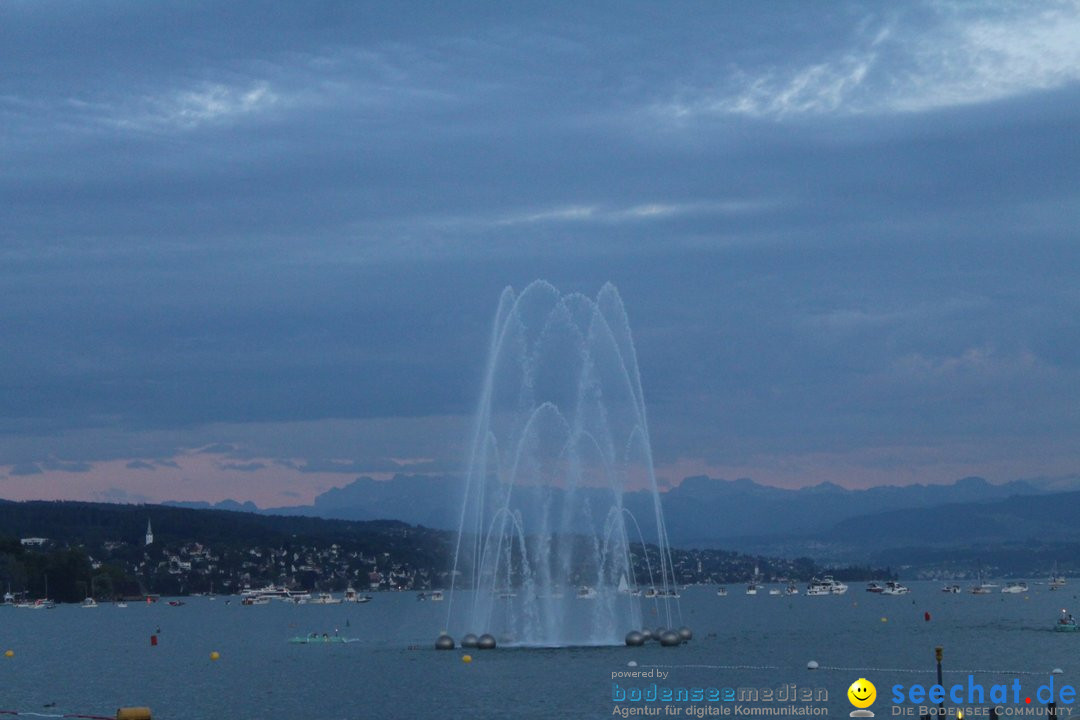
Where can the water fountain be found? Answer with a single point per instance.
(546, 553)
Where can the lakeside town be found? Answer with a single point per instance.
(329, 556)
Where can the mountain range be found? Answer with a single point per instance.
(964, 517)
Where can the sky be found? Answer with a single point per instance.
(254, 250)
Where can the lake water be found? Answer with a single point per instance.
(75, 660)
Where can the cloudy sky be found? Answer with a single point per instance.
(254, 250)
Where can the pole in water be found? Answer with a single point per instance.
(938, 652)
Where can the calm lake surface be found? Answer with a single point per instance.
(95, 660)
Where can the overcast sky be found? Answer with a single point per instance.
(253, 250)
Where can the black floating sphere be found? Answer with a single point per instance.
(469, 641)
(685, 634)
(670, 638)
(486, 642)
(658, 633)
(444, 642)
(635, 639)
(646, 634)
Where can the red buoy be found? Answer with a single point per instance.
(926, 616)
(153, 641)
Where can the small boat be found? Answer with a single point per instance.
(586, 593)
(791, 589)
(89, 603)
(121, 604)
(755, 585)
(950, 589)
(176, 603)
(651, 593)
(435, 596)
(317, 639)
(1057, 581)
(323, 598)
(874, 588)
(775, 591)
(1015, 587)
(1066, 623)
(721, 591)
(894, 588)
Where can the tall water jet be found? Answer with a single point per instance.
(546, 550)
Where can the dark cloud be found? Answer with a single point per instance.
(140, 465)
(831, 231)
(243, 467)
(25, 469)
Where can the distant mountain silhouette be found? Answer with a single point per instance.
(701, 511)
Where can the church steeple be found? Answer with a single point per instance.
(149, 533)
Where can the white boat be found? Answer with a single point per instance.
(791, 589)
(121, 604)
(775, 591)
(826, 586)
(268, 593)
(755, 585)
(951, 589)
(323, 598)
(1015, 587)
(89, 603)
(894, 588)
(1057, 581)
(9, 598)
(721, 591)
(435, 596)
(875, 588)
(586, 593)
(982, 589)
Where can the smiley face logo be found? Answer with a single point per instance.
(862, 694)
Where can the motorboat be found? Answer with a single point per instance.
(586, 593)
(775, 591)
(89, 603)
(894, 588)
(1066, 623)
(435, 596)
(950, 589)
(791, 589)
(1057, 581)
(721, 591)
(875, 588)
(826, 586)
(1015, 587)
(323, 598)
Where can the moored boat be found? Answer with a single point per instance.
(894, 588)
(826, 586)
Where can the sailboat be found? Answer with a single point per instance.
(754, 584)
(983, 588)
(1057, 581)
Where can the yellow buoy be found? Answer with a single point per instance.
(884, 619)
(215, 655)
(9, 653)
(466, 658)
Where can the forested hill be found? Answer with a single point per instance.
(81, 523)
